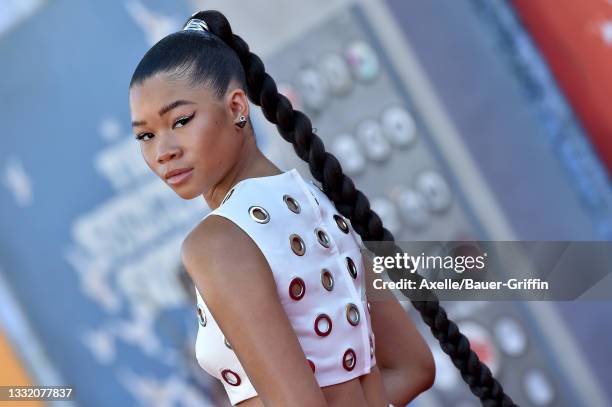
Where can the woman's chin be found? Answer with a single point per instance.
(185, 193)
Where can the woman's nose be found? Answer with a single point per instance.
(167, 151)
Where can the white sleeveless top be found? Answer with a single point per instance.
(315, 257)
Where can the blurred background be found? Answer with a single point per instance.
(466, 119)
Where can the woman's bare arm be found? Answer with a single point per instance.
(239, 289)
(404, 358)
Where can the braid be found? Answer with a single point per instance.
(295, 127)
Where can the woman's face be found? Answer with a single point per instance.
(181, 127)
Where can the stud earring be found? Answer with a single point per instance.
(242, 122)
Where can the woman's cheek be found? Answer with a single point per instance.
(145, 152)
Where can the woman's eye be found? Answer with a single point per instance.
(141, 137)
(182, 121)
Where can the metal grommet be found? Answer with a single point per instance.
(322, 325)
(291, 203)
(349, 360)
(231, 377)
(352, 314)
(225, 341)
(327, 279)
(297, 288)
(201, 316)
(322, 237)
(352, 269)
(259, 214)
(297, 244)
(231, 191)
(341, 223)
(369, 307)
(312, 365)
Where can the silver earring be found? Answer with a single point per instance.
(241, 122)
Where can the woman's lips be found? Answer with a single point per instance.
(180, 178)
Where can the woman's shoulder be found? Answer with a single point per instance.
(215, 241)
(266, 208)
(220, 225)
(240, 223)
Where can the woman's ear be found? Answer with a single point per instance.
(238, 103)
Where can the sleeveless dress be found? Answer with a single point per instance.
(315, 258)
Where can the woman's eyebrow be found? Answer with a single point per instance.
(165, 110)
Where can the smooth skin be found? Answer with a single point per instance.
(240, 290)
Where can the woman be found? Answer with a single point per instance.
(279, 268)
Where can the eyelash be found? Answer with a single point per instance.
(186, 120)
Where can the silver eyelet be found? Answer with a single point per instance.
(312, 365)
(225, 341)
(341, 223)
(369, 307)
(292, 204)
(297, 244)
(349, 359)
(322, 237)
(297, 288)
(201, 316)
(259, 214)
(371, 348)
(323, 325)
(231, 377)
(327, 279)
(352, 269)
(231, 191)
(352, 314)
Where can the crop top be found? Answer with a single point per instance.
(314, 255)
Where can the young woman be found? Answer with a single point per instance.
(278, 262)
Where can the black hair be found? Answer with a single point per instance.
(215, 65)
(217, 58)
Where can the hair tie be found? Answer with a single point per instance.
(196, 24)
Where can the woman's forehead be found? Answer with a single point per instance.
(159, 86)
(159, 90)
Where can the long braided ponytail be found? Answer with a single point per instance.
(296, 128)
(219, 57)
